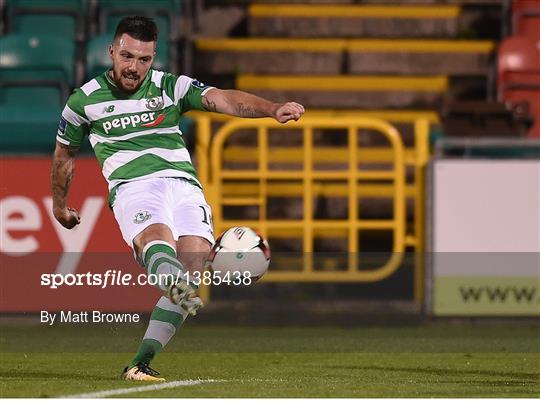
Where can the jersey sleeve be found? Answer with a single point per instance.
(73, 123)
(188, 93)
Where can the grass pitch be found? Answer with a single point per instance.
(431, 361)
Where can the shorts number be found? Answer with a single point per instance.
(206, 218)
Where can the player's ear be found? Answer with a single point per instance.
(110, 50)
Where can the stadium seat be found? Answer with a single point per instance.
(518, 64)
(37, 57)
(33, 94)
(526, 18)
(529, 27)
(29, 116)
(98, 60)
(63, 17)
(73, 6)
(518, 75)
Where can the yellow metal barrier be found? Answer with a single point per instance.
(308, 182)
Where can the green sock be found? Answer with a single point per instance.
(166, 318)
(159, 258)
(147, 350)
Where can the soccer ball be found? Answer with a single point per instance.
(239, 252)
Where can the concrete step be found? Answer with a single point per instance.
(448, 57)
(274, 2)
(430, 2)
(381, 21)
(335, 56)
(270, 56)
(350, 91)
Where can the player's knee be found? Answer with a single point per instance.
(193, 252)
(202, 245)
(193, 244)
(152, 233)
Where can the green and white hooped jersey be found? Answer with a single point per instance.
(134, 136)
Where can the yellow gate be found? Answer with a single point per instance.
(259, 182)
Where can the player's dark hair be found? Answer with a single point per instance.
(140, 28)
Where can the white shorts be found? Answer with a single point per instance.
(171, 201)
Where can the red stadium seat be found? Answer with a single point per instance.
(518, 64)
(526, 18)
(529, 27)
(518, 74)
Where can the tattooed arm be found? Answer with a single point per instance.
(243, 104)
(61, 175)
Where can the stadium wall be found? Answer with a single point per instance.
(32, 243)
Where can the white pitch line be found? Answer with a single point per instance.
(122, 391)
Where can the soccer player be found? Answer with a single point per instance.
(131, 115)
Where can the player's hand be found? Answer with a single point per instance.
(289, 111)
(67, 217)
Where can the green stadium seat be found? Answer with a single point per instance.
(29, 117)
(37, 57)
(32, 95)
(61, 5)
(24, 132)
(98, 60)
(62, 25)
(63, 17)
(172, 6)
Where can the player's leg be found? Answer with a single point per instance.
(194, 239)
(145, 221)
(144, 211)
(166, 318)
(156, 249)
(193, 222)
(159, 256)
(193, 252)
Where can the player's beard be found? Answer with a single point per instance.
(128, 81)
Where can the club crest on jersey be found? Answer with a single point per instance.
(141, 217)
(154, 103)
(109, 109)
